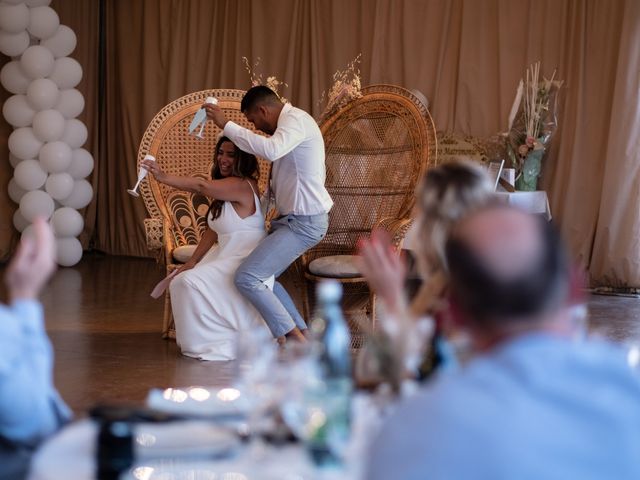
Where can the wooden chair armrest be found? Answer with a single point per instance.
(169, 242)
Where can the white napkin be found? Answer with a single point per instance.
(163, 284)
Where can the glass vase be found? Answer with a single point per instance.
(532, 165)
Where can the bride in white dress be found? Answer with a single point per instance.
(208, 310)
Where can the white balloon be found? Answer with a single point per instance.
(81, 164)
(43, 94)
(81, 195)
(37, 3)
(43, 22)
(71, 103)
(19, 221)
(55, 157)
(15, 192)
(49, 125)
(67, 73)
(13, 2)
(13, 18)
(36, 204)
(17, 111)
(75, 133)
(13, 78)
(59, 185)
(13, 44)
(67, 222)
(68, 251)
(29, 175)
(62, 43)
(37, 62)
(13, 160)
(24, 144)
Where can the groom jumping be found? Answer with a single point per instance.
(296, 149)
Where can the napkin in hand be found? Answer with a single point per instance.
(163, 284)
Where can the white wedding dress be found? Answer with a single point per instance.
(208, 310)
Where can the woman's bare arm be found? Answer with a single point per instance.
(209, 237)
(232, 189)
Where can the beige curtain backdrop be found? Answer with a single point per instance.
(465, 55)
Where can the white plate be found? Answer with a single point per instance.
(184, 439)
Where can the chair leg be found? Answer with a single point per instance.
(168, 324)
(306, 313)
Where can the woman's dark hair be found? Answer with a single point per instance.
(245, 166)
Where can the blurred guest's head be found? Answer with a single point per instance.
(447, 193)
(508, 272)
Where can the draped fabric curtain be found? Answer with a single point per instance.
(466, 56)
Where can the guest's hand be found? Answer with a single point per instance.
(215, 113)
(154, 169)
(33, 264)
(384, 269)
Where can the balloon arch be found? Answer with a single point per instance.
(50, 165)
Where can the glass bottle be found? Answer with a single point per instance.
(334, 390)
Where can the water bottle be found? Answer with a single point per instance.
(334, 390)
(114, 450)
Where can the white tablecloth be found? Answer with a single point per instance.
(71, 454)
(532, 202)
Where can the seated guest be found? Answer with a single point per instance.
(30, 407)
(447, 193)
(531, 403)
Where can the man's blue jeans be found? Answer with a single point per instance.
(290, 237)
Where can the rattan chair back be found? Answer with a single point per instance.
(176, 217)
(377, 148)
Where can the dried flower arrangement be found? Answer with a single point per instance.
(532, 122)
(346, 87)
(256, 79)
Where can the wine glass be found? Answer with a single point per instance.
(141, 176)
(256, 377)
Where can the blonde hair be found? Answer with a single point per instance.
(447, 193)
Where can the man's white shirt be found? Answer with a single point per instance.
(296, 150)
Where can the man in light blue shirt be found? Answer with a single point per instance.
(30, 407)
(532, 403)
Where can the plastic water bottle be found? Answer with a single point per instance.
(334, 391)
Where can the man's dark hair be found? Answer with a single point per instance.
(489, 298)
(256, 96)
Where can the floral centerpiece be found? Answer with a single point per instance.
(532, 122)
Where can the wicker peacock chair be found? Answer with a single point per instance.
(377, 149)
(177, 220)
